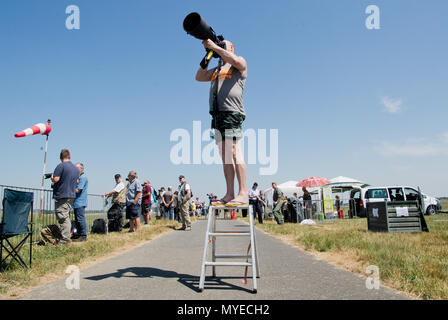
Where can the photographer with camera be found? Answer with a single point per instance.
(227, 110)
(118, 194)
(64, 178)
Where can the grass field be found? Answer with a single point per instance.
(414, 263)
(50, 262)
(444, 204)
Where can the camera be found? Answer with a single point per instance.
(196, 26)
(47, 175)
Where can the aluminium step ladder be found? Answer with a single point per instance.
(212, 234)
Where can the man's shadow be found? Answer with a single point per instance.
(187, 280)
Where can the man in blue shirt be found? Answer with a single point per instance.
(133, 201)
(80, 204)
(64, 178)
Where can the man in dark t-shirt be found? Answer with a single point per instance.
(65, 178)
(167, 200)
(307, 203)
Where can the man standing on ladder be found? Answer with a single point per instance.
(227, 109)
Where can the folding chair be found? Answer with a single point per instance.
(17, 205)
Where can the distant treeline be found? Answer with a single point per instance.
(443, 198)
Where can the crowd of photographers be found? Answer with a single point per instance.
(135, 200)
(144, 202)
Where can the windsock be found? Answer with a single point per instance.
(40, 128)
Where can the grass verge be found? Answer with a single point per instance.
(50, 262)
(413, 263)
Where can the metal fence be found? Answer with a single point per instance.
(295, 211)
(43, 215)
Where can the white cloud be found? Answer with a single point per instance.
(392, 105)
(419, 148)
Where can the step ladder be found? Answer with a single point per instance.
(212, 235)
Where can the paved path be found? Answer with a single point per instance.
(169, 267)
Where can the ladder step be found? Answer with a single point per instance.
(233, 256)
(232, 231)
(236, 264)
(230, 234)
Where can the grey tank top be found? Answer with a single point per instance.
(230, 89)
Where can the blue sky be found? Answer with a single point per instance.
(117, 88)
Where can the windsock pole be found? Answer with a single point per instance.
(43, 172)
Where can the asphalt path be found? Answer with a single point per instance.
(168, 268)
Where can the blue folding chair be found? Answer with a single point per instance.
(17, 205)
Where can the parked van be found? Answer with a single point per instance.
(359, 196)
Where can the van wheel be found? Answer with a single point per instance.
(431, 210)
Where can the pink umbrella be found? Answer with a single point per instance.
(313, 182)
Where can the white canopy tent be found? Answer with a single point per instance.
(288, 188)
(344, 182)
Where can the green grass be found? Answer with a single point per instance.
(414, 263)
(52, 260)
(444, 204)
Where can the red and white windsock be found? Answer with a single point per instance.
(40, 128)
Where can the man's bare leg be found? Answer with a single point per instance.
(240, 169)
(225, 149)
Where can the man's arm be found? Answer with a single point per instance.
(56, 176)
(139, 193)
(110, 193)
(226, 56)
(187, 195)
(81, 185)
(204, 75)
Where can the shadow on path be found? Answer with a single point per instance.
(187, 280)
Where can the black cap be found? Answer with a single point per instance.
(117, 176)
(181, 176)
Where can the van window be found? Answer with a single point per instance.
(411, 194)
(376, 194)
(396, 194)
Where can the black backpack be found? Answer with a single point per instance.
(99, 226)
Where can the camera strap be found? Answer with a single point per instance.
(215, 94)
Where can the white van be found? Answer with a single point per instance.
(359, 197)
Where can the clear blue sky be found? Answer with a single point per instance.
(116, 88)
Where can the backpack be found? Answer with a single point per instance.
(50, 234)
(115, 225)
(99, 226)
